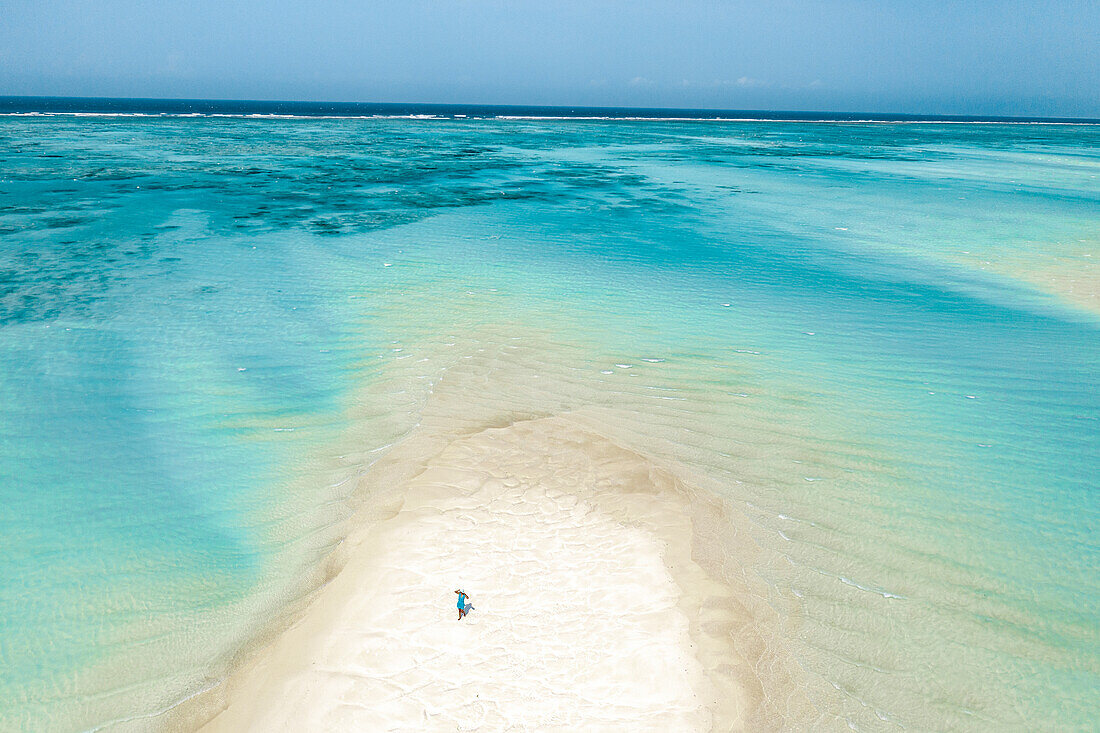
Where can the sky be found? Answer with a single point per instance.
(991, 57)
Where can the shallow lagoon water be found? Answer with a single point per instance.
(877, 342)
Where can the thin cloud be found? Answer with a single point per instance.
(748, 81)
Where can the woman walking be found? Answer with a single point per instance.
(463, 607)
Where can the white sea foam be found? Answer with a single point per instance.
(537, 118)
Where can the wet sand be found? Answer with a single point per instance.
(589, 611)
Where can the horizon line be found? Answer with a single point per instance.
(616, 111)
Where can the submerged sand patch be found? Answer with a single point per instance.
(589, 612)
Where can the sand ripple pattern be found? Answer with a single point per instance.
(578, 621)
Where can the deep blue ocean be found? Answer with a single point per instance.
(878, 340)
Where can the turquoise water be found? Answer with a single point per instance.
(879, 342)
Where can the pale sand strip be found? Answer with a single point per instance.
(589, 612)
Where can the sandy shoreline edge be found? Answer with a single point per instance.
(590, 606)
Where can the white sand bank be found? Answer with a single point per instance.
(589, 611)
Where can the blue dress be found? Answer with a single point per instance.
(461, 601)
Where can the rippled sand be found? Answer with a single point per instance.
(589, 610)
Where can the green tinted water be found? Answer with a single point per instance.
(874, 340)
